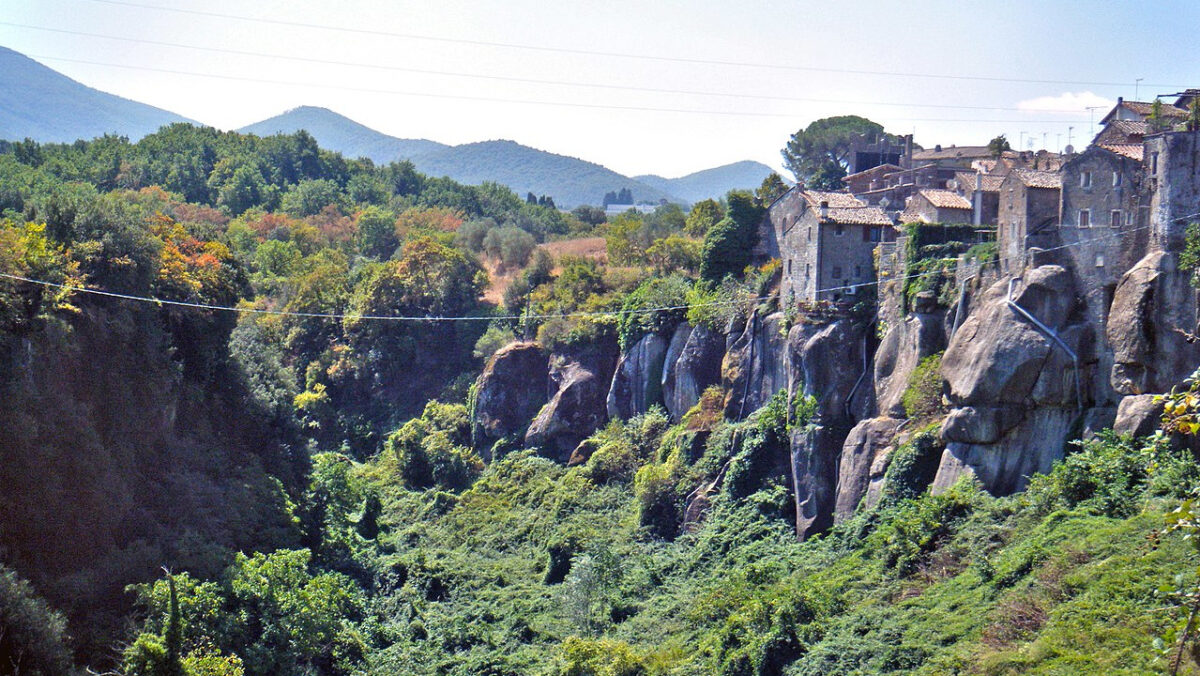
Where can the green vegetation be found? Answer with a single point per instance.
(308, 479)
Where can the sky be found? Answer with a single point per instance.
(648, 86)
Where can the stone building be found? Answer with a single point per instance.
(1029, 210)
(983, 190)
(826, 242)
(1171, 162)
(937, 206)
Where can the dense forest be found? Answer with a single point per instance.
(274, 469)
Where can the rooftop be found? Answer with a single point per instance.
(881, 169)
(832, 199)
(1038, 179)
(845, 208)
(966, 180)
(1144, 109)
(945, 199)
(952, 152)
(1131, 150)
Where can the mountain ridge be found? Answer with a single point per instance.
(63, 110)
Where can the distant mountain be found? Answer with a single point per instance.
(711, 183)
(339, 133)
(570, 181)
(45, 105)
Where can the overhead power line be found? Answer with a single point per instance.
(526, 80)
(488, 318)
(623, 55)
(491, 99)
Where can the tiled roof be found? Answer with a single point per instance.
(966, 181)
(910, 215)
(952, 152)
(1122, 131)
(1131, 150)
(881, 169)
(833, 199)
(858, 216)
(945, 199)
(1038, 179)
(1145, 108)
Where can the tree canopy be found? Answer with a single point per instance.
(819, 154)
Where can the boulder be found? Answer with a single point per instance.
(1138, 415)
(1004, 467)
(981, 424)
(576, 409)
(509, 392)
(1151, 325)
(863, 456)
(637, 383)
(814, 461)
(692, 368)
(996, 356)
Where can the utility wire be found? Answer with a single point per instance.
(506, 78)
(567, 104)
(623, 55)
(488, 318)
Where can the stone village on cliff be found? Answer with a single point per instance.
(1081, 316)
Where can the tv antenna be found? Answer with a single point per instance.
(1136, 84)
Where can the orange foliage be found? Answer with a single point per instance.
(418, 219)
(333, 226)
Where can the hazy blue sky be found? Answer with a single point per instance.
(1067, 56)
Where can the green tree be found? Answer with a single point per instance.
(819, 154)
(772, 188)
(704, 215)
(729, 245)
(998, 145)
(376, 232)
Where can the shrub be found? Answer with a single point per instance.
(433, 450)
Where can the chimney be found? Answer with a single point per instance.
(977, 199)
(823, 209)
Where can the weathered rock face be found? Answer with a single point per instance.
(903, 347)
(693, 363)
(576, 409)
(1015, 393)
(755, 365)
(637, 383)
(1152, 313)
(825, 361)
(510, 391)
(863, 462)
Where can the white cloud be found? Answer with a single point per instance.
(1067, 102)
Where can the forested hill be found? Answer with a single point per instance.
(45, 105)
(569, 181)
(711, 183)
(340, 133)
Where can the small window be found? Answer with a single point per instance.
(1153, 163)
(789, 266)
(1116, 218)
(1128, 218)
(810, 233)
(1085, 218)
(807, 270)
(1116, 179)
(839, 230)
(1099, 260)
(837, 272)
(858, 272)
(1085, 179)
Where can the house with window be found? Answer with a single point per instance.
(825, 241)
(1028, 215)
(937, 206)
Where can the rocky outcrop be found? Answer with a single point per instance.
(825, 361)
(1150, 327)
(863, 463)
(509, 392)
(578, 404)
(920, 335)
(692, 364)
(755, 365)
(1014, 392)
(637, 383)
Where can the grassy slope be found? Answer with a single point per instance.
(1027, 584)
